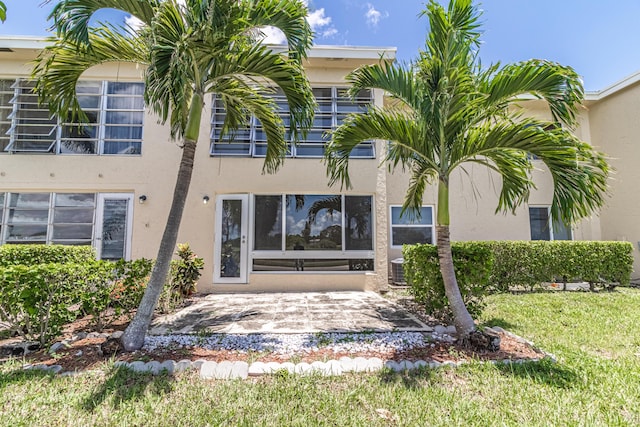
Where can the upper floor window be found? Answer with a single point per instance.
(333, 105)
(115, 112)
(543, 227)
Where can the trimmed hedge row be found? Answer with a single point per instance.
(528, 264)
(500, 266)
(44, 254)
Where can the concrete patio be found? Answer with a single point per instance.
(307, 312)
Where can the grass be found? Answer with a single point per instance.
(595, 382)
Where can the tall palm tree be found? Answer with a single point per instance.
(190, 48)
(448, 111)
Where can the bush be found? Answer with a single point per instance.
(114, 289)
(45, 254)
(36, 301)
(472, 263)
(183, 277)
(526, 265)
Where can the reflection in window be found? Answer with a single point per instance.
(328, 228)
(410, 230)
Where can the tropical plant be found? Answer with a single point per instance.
(447, 111)
(190, 48)
(3, 11)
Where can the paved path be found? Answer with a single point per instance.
(289, 313)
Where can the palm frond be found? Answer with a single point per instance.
(289, 17)
(60, 65)
(71, 17)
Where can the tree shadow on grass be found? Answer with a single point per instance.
(498, 321)
(122, 385)
(411, 379)
(22, 375)
(544, 372)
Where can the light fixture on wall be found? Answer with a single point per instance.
(205, 199)
(142, 199)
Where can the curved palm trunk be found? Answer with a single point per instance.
(133, 337)
(461, 317)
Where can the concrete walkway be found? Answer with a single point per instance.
(307, 312)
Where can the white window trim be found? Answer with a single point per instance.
(55, 146)
(392, 226)
(253, 128)
(308, 254)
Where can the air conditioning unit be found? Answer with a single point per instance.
(397, 272)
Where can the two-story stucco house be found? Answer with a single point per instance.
(110, 183)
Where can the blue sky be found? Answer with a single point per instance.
(601, 40)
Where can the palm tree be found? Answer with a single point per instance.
(190, 48)
(3, 11)
(447, 111)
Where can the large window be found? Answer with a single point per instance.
(64, 218)
(312, 233)
(539, 221)
(99, 219)
(409, 230)
(115, 112)
(333, 106)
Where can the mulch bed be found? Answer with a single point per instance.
(85, 354)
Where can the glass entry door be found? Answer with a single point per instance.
(114, 215)
(230, 251)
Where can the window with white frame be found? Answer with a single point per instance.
(115, 113)
(539, 221)
(61, 218)
(333, 105)
(409, 230)
(98, 219)
(311, 232)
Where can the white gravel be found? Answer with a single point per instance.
(296, 343)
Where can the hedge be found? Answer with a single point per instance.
(45, 254)
(500, 266)
(472, 262)
(528, 264)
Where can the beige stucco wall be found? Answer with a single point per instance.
(474, 194)
(615, 129)
(153, 174)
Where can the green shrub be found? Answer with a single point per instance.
(44, 254)
(183, 277)
(114, 289)
(526, 265)
(472, 262)
(36, 301)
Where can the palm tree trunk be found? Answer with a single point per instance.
(461, 317)
(133, 337)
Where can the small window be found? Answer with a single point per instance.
(407, 230)
(539, 224)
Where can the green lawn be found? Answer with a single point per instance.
(595, 382)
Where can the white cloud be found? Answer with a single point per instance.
(317, 19)
(373, 16)
(133, 23)
(272, 35)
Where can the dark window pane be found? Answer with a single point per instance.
(358, 219)
(230, 238)
(561, 231)
(539, 222)
(75, 199)
(410, 235)
(74, 231)
(268, 223)
(117, 147)
(71, 215)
